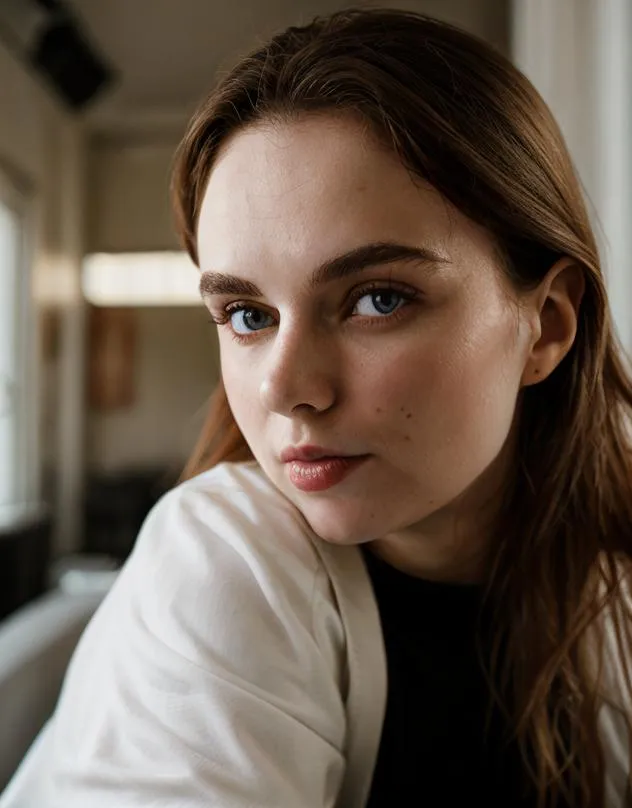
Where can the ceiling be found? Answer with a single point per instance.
(166, 52)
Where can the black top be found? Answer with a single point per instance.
(435, 749)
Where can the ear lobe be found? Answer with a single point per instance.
(557, 303)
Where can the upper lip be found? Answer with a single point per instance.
(308, 452)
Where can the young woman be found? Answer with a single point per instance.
(399, 570)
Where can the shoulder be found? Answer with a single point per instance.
(225, 548)
(224, 585)
(231, 506)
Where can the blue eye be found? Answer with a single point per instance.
(376, 302)
(383, 301)
(251, 319)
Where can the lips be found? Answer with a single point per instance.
(308, 452)
(313, 468)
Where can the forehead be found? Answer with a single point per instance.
(278, 164)
(312, 188)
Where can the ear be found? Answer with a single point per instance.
(554, 308)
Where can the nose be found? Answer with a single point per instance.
(299, 373)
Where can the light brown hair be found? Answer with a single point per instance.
(462, 117)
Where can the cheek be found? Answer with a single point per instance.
(241, 390)
(461, 381)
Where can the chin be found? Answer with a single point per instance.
(339, 526)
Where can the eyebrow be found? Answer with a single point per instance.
(349, 263)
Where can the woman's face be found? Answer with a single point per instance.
(364, 315)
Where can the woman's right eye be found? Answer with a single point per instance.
(245, 320)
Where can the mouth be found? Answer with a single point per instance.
(308, 452)
(323, 472)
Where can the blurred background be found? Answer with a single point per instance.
(107, 357)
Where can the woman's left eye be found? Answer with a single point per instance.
(380, 302)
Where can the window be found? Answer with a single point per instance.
(14, 305)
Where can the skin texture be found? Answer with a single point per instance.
(427, 387)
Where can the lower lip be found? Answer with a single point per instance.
(319, 475)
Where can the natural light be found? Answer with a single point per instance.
(141, 279)
(9, 257)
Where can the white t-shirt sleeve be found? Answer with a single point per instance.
(208, 676)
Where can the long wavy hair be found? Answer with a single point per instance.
(462, 117)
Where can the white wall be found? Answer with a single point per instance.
(175, 362)
(128, 187)
(578, 55)
(24, 115)
(176, 370)
(41, 145)
(488, 19)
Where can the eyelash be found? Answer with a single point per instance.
(406, 294)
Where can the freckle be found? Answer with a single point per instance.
(379, 409)
(410, 415)
(401, 409)
(407, 437)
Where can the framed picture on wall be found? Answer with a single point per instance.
(111, 358)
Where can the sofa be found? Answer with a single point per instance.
(36, 643)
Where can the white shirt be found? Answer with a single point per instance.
(237, 662)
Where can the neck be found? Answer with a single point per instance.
(453, 543)
(447, 552)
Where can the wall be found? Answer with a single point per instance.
(578, 56)
(488, 19)
(176, 371)
(175, 363)
(128, 186)
(42, 146)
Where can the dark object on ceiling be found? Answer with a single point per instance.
(49, 39)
